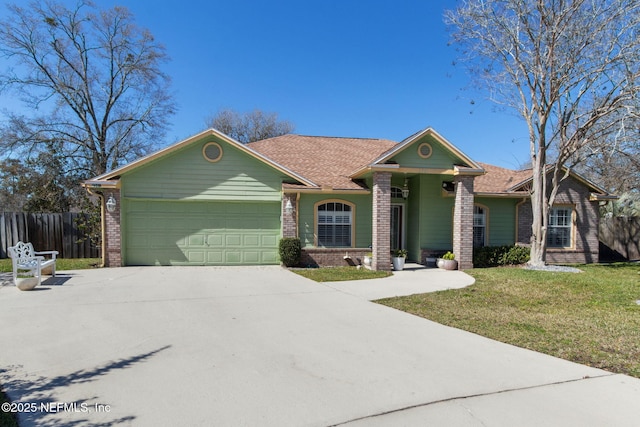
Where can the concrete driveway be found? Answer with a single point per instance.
(261, 346)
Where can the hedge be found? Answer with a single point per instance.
(495, 256)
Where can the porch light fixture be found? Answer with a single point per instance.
(288, 207)
(111, 203)
(448, 186)
(405, 189)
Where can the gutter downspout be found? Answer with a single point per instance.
(298, 215)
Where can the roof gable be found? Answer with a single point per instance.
(425, 150)
(208, 169)
(109, 178)
(444, 152)
(501, 181)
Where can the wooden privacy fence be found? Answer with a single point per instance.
(56, 232)
(622, 235)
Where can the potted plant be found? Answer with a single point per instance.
(398, 259)
(448, 261)
(367, 259)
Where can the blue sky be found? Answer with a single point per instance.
(371, 69)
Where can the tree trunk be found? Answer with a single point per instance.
(540, 211)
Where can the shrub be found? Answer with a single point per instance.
(495, 256)
(449, 255)
(290, 251)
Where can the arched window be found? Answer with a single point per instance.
(396, 193)
(479, 226)
(334, 222)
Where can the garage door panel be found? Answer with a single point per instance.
(251, 240)
(215, 240)
(269, 257)
(269, 241)
(197, 240)
(215, 257)
(233, 257)
(197, 233)
(251, 257)
(197, 257)
(233, 240)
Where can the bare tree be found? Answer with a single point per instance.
(570, 68)
(249, 127)
(93, 74)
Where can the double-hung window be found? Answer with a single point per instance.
(334, 220)
(479, 226)
(560, 226)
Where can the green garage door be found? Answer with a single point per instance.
(201, 233)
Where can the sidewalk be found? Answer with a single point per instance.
(414, 279)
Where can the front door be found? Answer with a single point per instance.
(397, 227)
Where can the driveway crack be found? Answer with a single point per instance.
(470, 396)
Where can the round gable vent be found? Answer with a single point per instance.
(212, 151)
(425, 150)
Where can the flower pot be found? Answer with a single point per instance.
(26, 283)
(447, 264)
(398, 262)
(367, 261)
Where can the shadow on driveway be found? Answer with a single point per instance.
(38, 394)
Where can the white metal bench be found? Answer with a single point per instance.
(25, 258)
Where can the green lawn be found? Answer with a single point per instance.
(336, 274)
(61, 264)
(590, 318)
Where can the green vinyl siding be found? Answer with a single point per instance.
(441, 158)
(436, 213)
(361, 221)
(501, 220)
(187, 175)
(200, 233)
(413, 219)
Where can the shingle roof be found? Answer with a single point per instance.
(327, 161)
(499, 180)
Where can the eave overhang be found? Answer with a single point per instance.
(115, 174)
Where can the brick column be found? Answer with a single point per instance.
(289, 220)
(463, 222)
(381, 221)
(112, 236)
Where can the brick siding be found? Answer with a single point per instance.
(463, 222)
(332, 257)
(381, 229)
(584, 234)
(289, 223)
(112, 235)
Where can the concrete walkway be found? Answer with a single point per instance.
(261, 346)
(414, 279)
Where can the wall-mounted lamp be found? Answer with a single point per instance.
(405, 189)
(111, 203)
(448, 186)
(288, 207)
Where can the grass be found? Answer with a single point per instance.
(61, 264)
(590, 318)
(337, 274)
